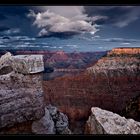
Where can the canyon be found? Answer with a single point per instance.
(111, 83)
(66, 104)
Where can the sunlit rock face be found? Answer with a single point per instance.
(105, 122)
(21, 94)
(127, 51)
(118, 62)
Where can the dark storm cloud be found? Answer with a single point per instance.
(117, 15)
(13, 10)
(2, 17)
(63, 35)
(121, 40)
(4, 28)
(15, 18)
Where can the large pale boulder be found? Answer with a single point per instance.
(106, 122)
(28, 64)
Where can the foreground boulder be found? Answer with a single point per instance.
(21, 94)
(45, 125)
(54, 122)
(106, 122)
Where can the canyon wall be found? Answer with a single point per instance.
(109, 84)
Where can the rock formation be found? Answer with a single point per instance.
(54, 122)
(118, 62)
(45, 125)
(110, 87)
(21, 94)
(106, 122)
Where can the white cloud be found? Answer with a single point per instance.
(125, 43)
(65, 11)
(22, 38)
(68, 20)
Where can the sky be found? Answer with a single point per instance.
(69, 28)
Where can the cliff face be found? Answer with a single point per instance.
(21, 94)
(116, 66)
(105, 122)
(109, 84)
(132, 109)
(118, 62)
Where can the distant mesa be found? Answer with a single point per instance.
(122, 51)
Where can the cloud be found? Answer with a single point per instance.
(63, 22)
(125, 43)
(72, 46)
(65, 11)
(123, 40)
(23, 38)
(13, 10)
(119, 16)
(2, 17)
(4, 28)
(12, 31)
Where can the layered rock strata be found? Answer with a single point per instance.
(21, 94)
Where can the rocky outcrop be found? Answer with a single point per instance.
(106, 122)
(54, 122)
(21, 93)
(45, 125)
